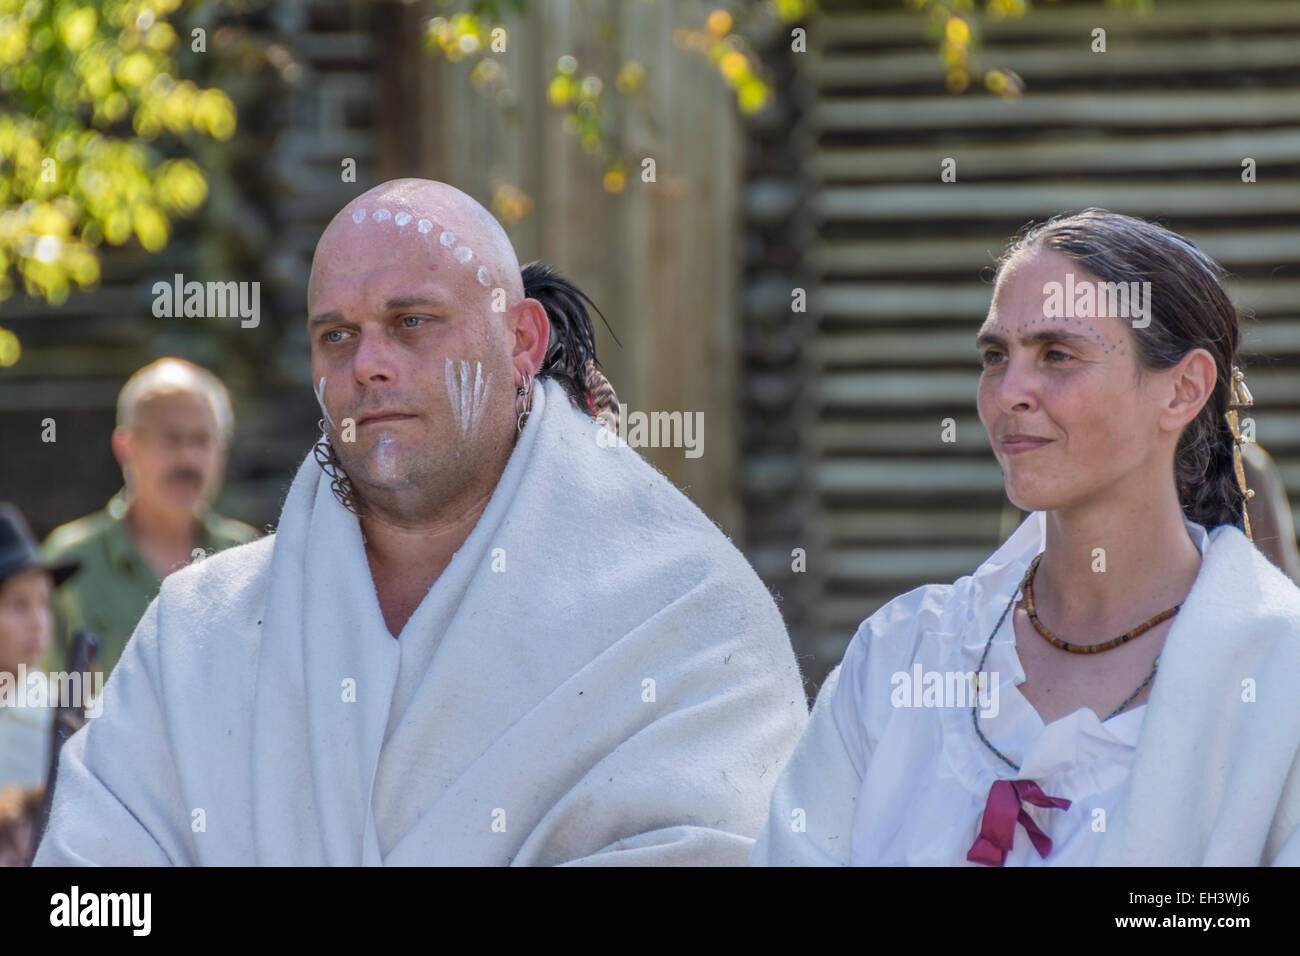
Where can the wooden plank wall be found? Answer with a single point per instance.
(659, 259)
(1155, 127)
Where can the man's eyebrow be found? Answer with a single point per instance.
(397, 302)
(1064, 336)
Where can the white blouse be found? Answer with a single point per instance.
(925, 775)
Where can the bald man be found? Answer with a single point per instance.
(485, 632)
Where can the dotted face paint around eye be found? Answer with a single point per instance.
(402, 218)
(483, 279)
(381, 214)
(462, 253)
(358, 216)
(424, 226)
(447, 238)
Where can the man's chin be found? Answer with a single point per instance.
(181, 503)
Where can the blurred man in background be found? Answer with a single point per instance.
(174, 423)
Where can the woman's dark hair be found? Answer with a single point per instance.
(571, 355)
(1189, 309)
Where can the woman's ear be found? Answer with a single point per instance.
(1192, 383)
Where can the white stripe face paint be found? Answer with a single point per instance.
(320, 400)
(468, 397)
(480, 397)
(385, 456)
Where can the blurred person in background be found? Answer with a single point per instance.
(174, 423)
(26, 584)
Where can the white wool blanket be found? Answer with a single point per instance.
(597, 677)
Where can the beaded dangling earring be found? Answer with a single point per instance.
(1240, 398)
(523, 402)
(340, 484)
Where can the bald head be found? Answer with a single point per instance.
(424, 218)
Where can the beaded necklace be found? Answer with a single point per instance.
(974, 711)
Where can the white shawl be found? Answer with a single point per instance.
(598, 676)
(1215, 778)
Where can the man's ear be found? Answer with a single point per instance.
(121, 442)
(531, 336)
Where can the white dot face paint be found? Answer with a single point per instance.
(320, 400)
(447, 238)
(468, 398)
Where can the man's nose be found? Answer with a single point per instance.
(373, 359)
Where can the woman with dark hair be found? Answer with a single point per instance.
(1115, 684)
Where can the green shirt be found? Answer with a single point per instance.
(111, 591)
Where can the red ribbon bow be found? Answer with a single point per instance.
(1001, 813)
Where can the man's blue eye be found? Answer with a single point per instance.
(406, 320)
(329, 336)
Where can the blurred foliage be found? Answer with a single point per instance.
(592, 101)
(954, 26)
(725, 37)
(89, 97)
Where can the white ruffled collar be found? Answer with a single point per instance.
(1076, 753)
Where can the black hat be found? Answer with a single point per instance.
(18, 550)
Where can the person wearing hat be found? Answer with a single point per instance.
(26, 623)
(173, 426)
